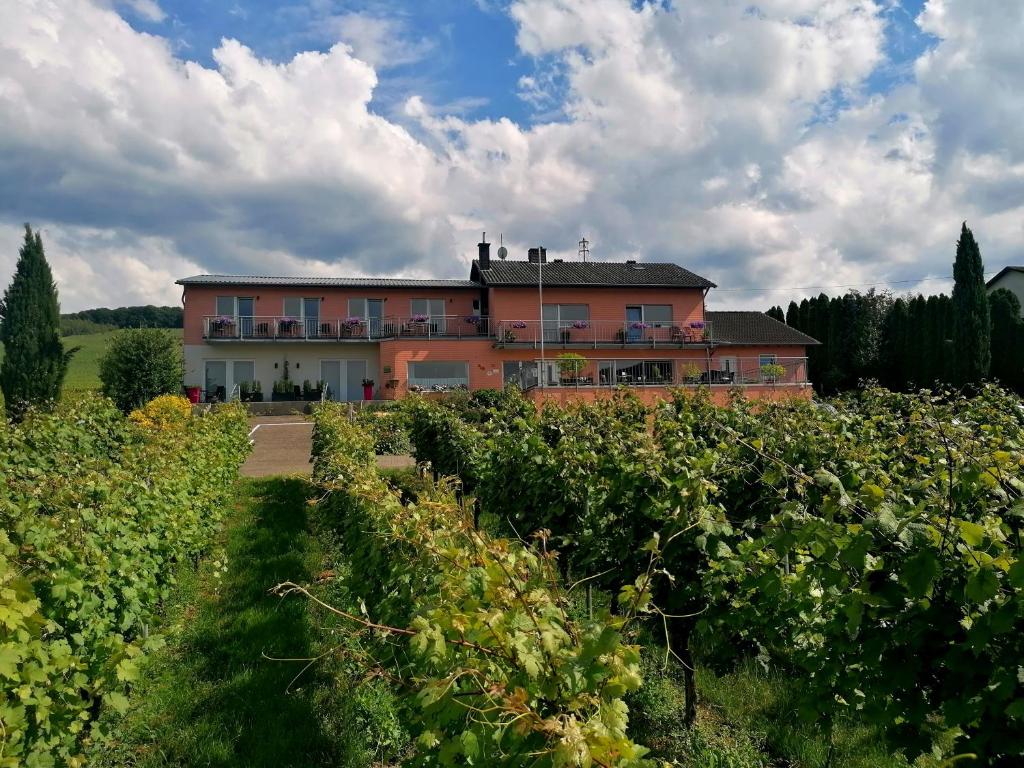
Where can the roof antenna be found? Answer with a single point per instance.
(584, 250)
(502, 250)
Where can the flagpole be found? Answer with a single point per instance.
(540, 289)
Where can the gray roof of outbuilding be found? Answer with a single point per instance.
(325, 282)
(754, 328)
(591, 273)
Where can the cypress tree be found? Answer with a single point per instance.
(1007, 334)
(893, 347)
(972, 329)
(776, 313)
(793, 315)
(34, 361)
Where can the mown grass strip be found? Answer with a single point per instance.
(212, 697)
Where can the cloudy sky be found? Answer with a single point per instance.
(779, 144)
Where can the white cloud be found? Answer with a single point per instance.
(687, 133)
(380, 42)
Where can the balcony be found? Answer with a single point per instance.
(727, 372)
(280, 328)
(598, 333)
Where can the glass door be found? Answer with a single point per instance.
(330, 374)
(216, 381)
(634, 323)
(246, 310)
(311, 316)
(375, 317)
(355, 372)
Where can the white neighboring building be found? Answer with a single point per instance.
(1012, 279)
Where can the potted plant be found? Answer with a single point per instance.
(222, 327)
(284, 391)
(692, 373)
(309, 392)
(772, 372)
(288, 326)
(570, 366)
(367, 389)
(697, 330)
(352, 326)
(257, 392)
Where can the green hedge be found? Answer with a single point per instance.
(95, 514)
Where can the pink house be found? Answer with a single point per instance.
(559, 329)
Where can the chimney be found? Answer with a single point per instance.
(485, 252)
(538, 255)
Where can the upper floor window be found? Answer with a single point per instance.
(234, 306)
(295, 306)
(433, 308)
(652, 315)
(366, 308)
(562, 315)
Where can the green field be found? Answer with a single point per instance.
(84, 371)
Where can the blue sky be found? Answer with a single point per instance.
(472, 66)
(767, 146)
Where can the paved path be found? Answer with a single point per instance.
(281, 446)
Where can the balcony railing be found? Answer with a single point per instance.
(594, 333)
(728, 371)
(281, 328)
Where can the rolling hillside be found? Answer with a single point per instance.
(84, 371)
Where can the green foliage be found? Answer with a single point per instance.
(388, 430)
(1007, 339)
(776, 313)
(140, 364)
(473, 628)
(872, 546)
(73, 326)
(147, 316)
(35, 362)
(971, 331)
(94, 513)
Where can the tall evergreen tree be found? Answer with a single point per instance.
(972, 328)
(1007, 338)
(34, 361)
(793, 315)
(893, 353)
(776, 313)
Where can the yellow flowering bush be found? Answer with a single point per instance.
(164, 413)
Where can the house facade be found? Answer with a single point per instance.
(1012, 279)
(559, 329)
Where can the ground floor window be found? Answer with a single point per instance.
(439, 375)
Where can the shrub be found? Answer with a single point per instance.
(141, 364)
(167, 412)
(388, 430)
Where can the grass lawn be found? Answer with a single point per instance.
(84, 370)
(214, 696)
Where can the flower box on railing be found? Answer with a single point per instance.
(223, 327)
(289, 327)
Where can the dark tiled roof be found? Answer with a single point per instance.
(591, 273)
(1002, 272)
(754, 328)
(325, 282)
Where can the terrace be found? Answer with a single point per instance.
(283, 328)
(595, 333)
(579, 373)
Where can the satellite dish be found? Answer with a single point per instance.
(502, 253)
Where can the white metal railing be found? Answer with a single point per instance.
(767, 370)
(284, 328)
(602, 332)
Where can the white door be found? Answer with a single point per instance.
(344, 378)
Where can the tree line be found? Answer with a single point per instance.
(148, 316)
(914, 341)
